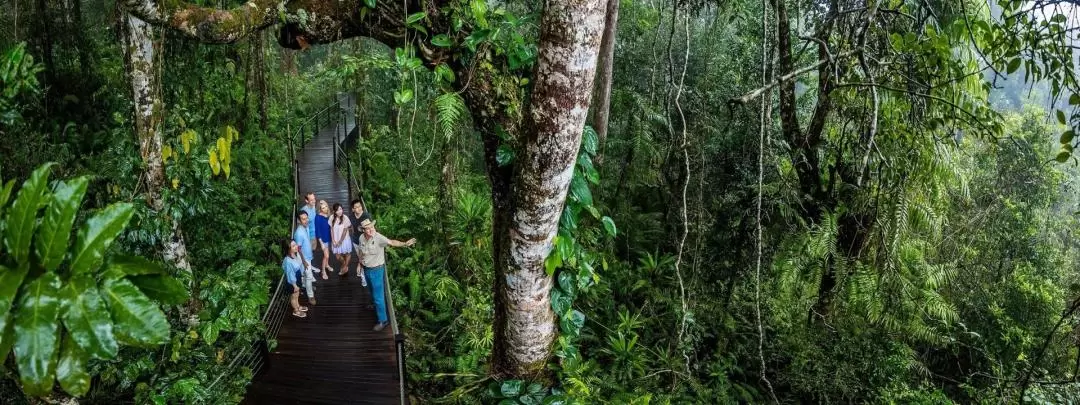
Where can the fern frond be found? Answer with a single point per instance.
(450, 108)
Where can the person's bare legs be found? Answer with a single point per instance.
(295, 302)
(345, 262)
(325, 259)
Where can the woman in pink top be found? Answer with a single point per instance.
(342, 243)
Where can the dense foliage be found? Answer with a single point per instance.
(916, 248)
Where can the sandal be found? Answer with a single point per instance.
(303, 309)
(300, 314)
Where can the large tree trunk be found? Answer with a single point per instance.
(525, 326)
(146, 95)
(604, 76)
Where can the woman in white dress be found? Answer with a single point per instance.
(339, 231)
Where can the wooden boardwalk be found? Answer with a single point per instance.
(333, 356)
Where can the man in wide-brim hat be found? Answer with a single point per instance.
(373, 260)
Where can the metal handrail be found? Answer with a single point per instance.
(399, 338)
(273, 318)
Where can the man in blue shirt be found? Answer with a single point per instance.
(303, 241)
(309, 208)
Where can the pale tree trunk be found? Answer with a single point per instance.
(604, 70)
(146, 87)
(525, 327)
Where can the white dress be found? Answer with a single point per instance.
(340, 232)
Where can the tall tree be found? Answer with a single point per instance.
(146, 95)
(604, 69)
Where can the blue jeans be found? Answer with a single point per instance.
(375, 276)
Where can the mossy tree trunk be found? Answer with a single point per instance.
(146, 96)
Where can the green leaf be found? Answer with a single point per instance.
(1013, 65)
(1067, 137)
(535, 388)
(369, 3)
(53, 239)
(134, 265)
(71, 371)
(444, 72)
(567, 284)
(210, 332)
(553, 261)
(579, 190)
(560, 302)
(590, 140)
(10, 281)
(511, 388)
(87, 319)
(137, 321)
(161, 288)
(1062, 156)
(22, 219)
(572, 323)
(479, 12)
(7, 339)
(504, 155)
(1074, 99)
(609, 225)
(415, 17)
(97, 234)
(36, 334)
(5, 193)
(1061, 117)
(442, 41)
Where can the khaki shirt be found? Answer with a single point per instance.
(373, 250)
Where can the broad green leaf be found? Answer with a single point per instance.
(10, 281)
(567, 284)
(134, 265)
(1063, 156)
(97, 234)
(479, 12)
(572, 323)
(36, 334)
(22, 218)
(87, 319)
(7, 339)
(210, 332)
(579, 190)
(535, 388)
(1061, 117)
(511, 388)
(1074, 99)
(161, 288)
(609, 225)
(560, 302)
(71, 370)
(445, 73)
(442, 41)
(553, 261)
(136, 319)
(415, 17)
(590, 140)
(55, 234)
(5, 193)
(1013, 65)
(369, 3)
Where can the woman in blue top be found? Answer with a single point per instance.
(293, 268)
(322, 234)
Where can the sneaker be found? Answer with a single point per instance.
(380, 326)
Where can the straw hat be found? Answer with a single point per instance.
(367, 223)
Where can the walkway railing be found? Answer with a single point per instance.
(341, 158)
(254, 357)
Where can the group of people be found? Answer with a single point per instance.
(333, 231)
